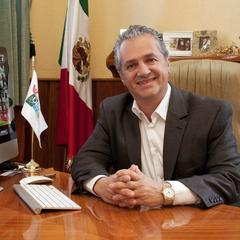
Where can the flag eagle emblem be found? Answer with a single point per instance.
(81, 58)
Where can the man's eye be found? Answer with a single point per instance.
(130, 66)
(152, 60)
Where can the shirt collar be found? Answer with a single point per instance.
(161, 109)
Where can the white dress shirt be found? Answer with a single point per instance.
(152, 136)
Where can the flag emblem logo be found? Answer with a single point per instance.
(81, 58)
(32, 100)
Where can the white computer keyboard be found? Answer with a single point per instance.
(39, 197)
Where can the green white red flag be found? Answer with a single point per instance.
(75, 116)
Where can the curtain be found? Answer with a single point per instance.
(15, 37)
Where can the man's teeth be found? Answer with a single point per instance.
(145, 81)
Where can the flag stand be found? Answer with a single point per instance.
(32, 166)
(68, 164)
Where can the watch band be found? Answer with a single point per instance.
(168, 194)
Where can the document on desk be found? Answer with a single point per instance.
(44, 197)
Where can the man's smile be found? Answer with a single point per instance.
(145, 81)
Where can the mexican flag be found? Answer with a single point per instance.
(75, 116)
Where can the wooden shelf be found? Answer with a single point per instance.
(231, 58)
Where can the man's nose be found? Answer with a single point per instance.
(143, 69)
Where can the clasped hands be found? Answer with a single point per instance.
(129, 188)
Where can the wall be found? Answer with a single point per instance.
(47, 21)
(108, 16)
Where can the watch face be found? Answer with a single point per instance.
(168, 192)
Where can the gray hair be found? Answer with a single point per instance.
(135, 31)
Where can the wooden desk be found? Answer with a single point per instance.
(98, 220)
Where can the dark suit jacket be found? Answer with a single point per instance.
(199, 147)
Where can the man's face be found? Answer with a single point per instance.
(144, 70)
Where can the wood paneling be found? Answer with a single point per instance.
(105, 88)
(52, 155)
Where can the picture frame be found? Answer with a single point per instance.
(178, 43)
(204, 43)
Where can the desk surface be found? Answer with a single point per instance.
(98, 220)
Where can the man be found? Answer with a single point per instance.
(164, 145)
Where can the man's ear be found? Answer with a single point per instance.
(168, 64)
(122, 79)
(123, 82)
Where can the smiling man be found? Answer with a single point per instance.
(164, 146)
(145, 72)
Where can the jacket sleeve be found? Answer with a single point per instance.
(221, 182)
(94, 157)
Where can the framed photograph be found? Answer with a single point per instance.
(178, 43)
(204, 43)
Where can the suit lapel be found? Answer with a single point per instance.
(175, 124)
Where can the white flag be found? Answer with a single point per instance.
(32, 109)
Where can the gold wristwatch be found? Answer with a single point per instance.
(168, 193)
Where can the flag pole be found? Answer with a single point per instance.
(32, 166)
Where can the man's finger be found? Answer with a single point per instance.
(124, 178)
(133, 175)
